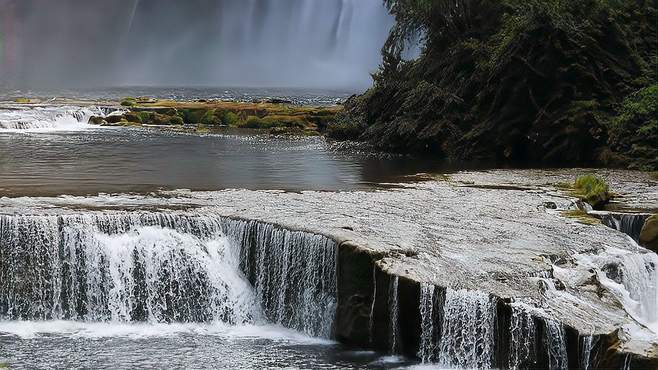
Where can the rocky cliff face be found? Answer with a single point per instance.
(503, 81)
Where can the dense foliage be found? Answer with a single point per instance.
(505, 81)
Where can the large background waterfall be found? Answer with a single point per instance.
(282, 43)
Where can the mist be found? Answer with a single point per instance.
(250, 43)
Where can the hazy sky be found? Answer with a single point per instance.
(285, 43)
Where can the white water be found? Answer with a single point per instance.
(97, 330)
(163, 268)
(467, 334)
(427, 343)
(522, 338)
(633, 279)
(46, 119)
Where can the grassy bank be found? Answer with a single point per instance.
(275, 117)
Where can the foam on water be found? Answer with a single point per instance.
(96, 330)
(46, 119)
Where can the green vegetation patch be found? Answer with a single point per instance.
(592, 189)
(128, 102)
(634, 132)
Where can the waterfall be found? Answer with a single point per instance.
(304, 42)
(157, 267)
(293, 273)
(523, 332)
(427, 343)
(46, 119)
(467, 333)
(628, 223)
(394, 313)
(556, 343)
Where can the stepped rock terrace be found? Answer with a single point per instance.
(546, 289)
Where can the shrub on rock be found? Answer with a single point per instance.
(593, 190)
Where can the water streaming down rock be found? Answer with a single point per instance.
(587, 344)
(293, 273)
(47, 118)
(556, 345)
(633, 279)
(371, 318)
(628, 223)
(158, 267)
(522, 352)
(467, 332)
(427, 351)
(394, 313)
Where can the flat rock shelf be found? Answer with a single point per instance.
(466, 270)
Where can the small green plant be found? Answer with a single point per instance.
(254, 122)
(128, 102)
(176, 120)
(593, 190)
(654, 175)
(230, 119)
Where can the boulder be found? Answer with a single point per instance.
(96, 120)
(113, 119)
(649, 233)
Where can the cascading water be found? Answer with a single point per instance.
(633, 279)
(293, 273)
(555, 342)
(467, 333)
(628, 223)
(427, 343)
(159, 267)
(46, 118)
(523, 332)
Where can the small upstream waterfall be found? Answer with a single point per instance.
(467, 333)
(47, 118)
(628, 223)
(156, 267)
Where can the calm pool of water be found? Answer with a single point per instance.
(93, 160)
